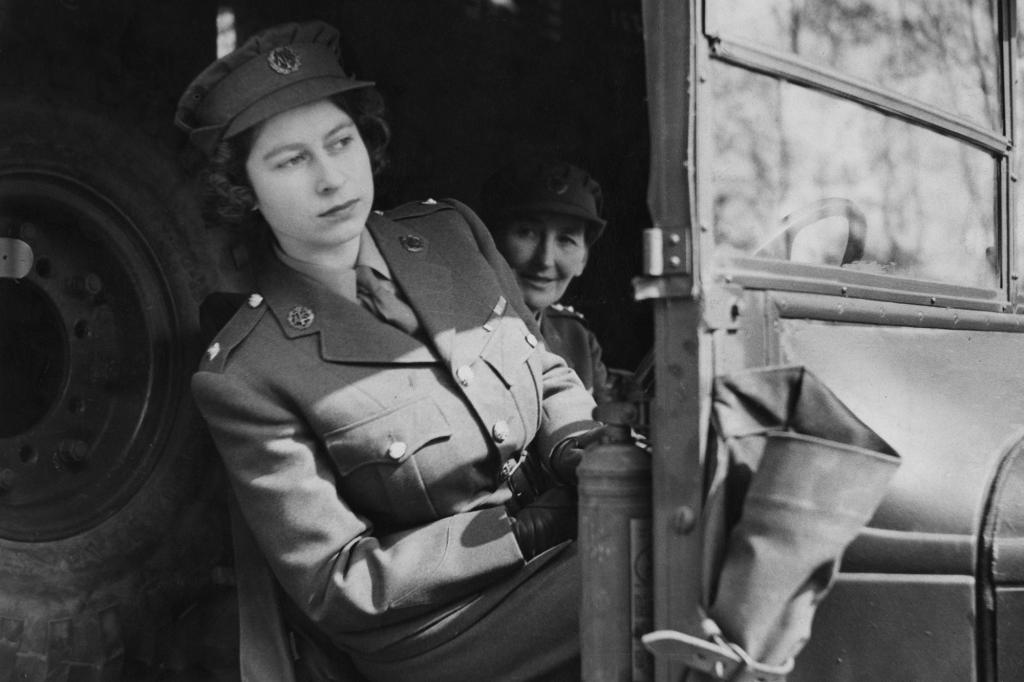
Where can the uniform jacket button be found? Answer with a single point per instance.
(464, 374)
(500, 431)
(397, 450)
(255, 300)
(532, 340)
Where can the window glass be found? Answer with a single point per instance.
(941, 52)
(802, 176)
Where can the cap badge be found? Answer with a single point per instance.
(300, 317)
(412, 243)
(284, 60)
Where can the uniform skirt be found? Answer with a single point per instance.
(525, 629)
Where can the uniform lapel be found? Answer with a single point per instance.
(424, 277)
(348, 332)
(450, 286)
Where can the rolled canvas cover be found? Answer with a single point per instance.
(793, 475)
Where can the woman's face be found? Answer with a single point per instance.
(546, 251)
(311, 174)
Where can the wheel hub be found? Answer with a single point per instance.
(85, 359)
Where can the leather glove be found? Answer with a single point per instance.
(566, 456)
(545, 522)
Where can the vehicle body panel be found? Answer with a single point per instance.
(930, 588)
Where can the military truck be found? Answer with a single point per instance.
(827, 185)
(834, 185)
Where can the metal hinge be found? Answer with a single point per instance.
(666, 252)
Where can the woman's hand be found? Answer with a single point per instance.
(566, 456)
(547, 521)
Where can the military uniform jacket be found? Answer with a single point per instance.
(566, 333)
(367, 463)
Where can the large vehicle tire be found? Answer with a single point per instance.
(110, 516)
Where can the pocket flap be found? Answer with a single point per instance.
(512, 343)
(389, 437)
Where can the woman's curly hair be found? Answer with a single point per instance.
(228, 198)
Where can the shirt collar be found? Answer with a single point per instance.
(341, 280)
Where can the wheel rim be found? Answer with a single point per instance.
(87, 352)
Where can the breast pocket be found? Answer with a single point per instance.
(376, 459)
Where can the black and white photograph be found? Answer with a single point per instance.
(511, 341)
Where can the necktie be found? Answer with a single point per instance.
(379, 297)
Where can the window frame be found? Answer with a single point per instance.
(719, 46)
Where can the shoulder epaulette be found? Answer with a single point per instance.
(231, 334)
(415, 209)
(565, 311)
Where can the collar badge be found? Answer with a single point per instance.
(413, 243)
(300, 317)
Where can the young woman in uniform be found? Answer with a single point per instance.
(369, 394)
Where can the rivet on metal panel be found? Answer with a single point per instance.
(932, 300)
(683, 520)
(676, 250)
(845, 290)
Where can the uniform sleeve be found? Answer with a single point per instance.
(566, 405)
(325, 556)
